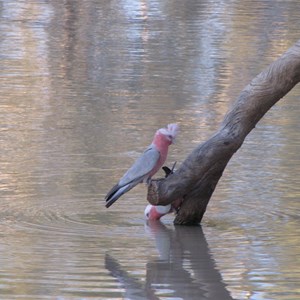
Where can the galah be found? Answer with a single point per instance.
(146, 165)
(155, 212)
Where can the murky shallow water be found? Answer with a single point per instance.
(84, 85)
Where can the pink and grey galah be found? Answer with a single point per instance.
(146, 165)
(155, 212)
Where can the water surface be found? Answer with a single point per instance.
(84, 85)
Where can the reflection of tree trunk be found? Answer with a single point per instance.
(190, 270)
(185, 268)
(199, 174)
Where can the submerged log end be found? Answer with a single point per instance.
(153, 195)
(193, 208)
(189, 217)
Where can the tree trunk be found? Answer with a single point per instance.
(195, 180)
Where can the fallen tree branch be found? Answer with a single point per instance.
(195, 180)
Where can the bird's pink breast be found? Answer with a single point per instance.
(162, 144)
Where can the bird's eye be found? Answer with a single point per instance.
(147, 215)
(170, 137)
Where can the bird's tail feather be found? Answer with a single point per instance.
(117, 192)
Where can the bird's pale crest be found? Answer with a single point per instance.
(172, 129)
(147, 211)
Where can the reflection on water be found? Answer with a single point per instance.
(84, 85)
(185, 268)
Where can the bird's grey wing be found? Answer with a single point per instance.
(142, 166)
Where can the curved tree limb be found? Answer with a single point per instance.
(197, 177)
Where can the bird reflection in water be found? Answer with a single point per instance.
(184, 269)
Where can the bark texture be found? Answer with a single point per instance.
(195, 180)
